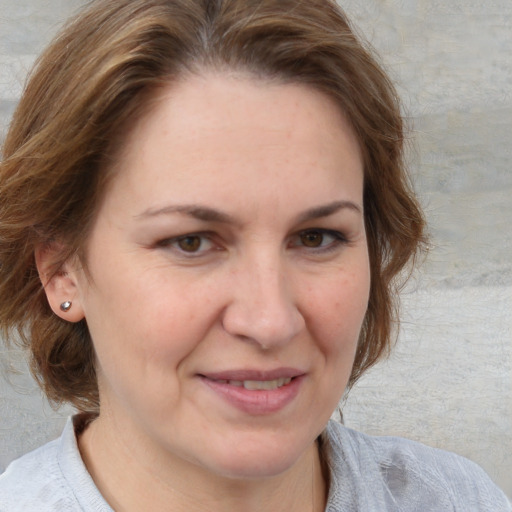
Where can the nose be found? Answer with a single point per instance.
(262, 308)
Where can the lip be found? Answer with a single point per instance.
(250, 374)
(255, 402)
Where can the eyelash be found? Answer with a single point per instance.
(337, 237)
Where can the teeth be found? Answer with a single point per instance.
(254, 385)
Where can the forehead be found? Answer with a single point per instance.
(216, 132)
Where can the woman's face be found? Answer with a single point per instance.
(229, 275)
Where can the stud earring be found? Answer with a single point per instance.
(66, 306)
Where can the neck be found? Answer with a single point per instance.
(129, 480)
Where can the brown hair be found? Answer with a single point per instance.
(94, 80)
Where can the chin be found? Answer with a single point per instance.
(257, 470)
(264, 461)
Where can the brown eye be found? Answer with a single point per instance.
(312, 238)
(190, 243)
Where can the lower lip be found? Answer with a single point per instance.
(256, 402)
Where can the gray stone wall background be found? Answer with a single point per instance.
(449, 381)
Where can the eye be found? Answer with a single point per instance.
(319, 239)
(194, 244)
(189, 243)
(312, 238)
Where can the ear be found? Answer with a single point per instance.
(60, 285)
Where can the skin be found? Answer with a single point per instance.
(231, 238)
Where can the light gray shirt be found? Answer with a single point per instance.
(367, 474)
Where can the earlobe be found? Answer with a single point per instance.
(61, 285)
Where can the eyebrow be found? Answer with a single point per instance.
(207, 214)
(198, 212)
(319, 212)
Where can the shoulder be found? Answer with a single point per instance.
(392, 473)
(34, 482)
(49, 479)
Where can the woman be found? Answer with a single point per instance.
(204, 214)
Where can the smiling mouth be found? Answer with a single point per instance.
(256, 385)
(256, 392)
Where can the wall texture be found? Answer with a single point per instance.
(449, 381)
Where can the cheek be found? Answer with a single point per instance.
(167, 333)
(337, 312)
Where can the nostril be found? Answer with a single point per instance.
(265, 326)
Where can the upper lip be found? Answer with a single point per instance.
(251, 374)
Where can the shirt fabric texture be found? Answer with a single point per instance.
(367, 474)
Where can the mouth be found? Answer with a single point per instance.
(255, 379)
(255, 385)
(256, 392)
